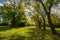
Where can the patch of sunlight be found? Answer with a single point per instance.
(57, 28)
(23, 32)
(31, 27)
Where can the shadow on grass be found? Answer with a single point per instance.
(49, 36)
(42, 35)
(56, 37)
(17, 37)
(4, 28)
(13, 37)
(53, 36)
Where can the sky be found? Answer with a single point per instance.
(1, 1)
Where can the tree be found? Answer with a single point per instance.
(13, 14)
(36, 13)
(47, 7)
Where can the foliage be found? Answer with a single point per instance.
(55, 19)
(13, 14)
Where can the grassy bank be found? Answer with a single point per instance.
(25, 33)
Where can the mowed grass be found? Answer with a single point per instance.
(23, 33)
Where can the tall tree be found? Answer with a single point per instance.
(47, 5)
(13, 14)
(38, 9)
(36, 13)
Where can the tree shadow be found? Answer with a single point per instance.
(17, 37)
(37, 35)
(4, 28)
(48, 36)
(56, 37)
(43, 35)
(53, 36)
(13, 37)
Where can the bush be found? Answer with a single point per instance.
(4, 24)
(21, 24)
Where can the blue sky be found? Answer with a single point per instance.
(1, 1)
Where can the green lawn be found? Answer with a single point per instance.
(25, 33)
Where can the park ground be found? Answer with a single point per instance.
(27, 33)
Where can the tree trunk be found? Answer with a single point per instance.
(39, 23)
(51, 24)
(44, 24)
(49, 18)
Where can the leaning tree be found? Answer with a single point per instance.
(47, 5)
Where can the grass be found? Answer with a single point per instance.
(25, 33)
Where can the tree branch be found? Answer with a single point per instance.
(43, 6)
(51, 3)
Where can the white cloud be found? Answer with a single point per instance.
(1, 4)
